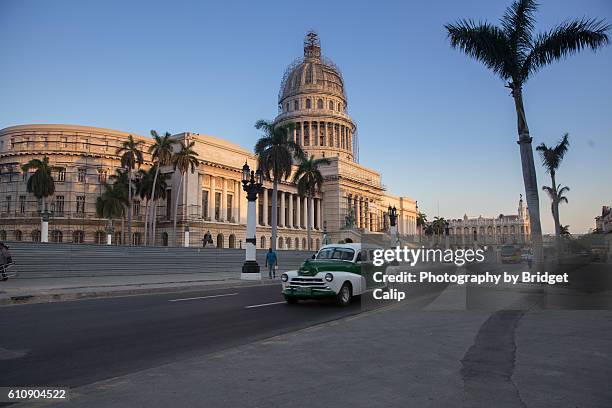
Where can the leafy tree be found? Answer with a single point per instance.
(551, 159)
(275, 151)
(161, 152)
(309, 180)
(515, 54)
(183, 161)
(131, 157)
(112, 203)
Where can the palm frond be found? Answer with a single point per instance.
(518, 22)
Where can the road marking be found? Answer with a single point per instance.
(264, 304)
(203, 297)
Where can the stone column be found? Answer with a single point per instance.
(306, 209)
(298, 211)
(319, 215)
(265, 206)
(282, 210)
(290, 220)
(211, 198)
(301, 133)
(224, 199)
(311, 209)
(236, 201)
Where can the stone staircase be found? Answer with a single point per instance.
(38, 260)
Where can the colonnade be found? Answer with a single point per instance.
(292, 210)
(323, 134)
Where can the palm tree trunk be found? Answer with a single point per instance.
(123, 230)
(274, 214)
(129, 215)
(146, 226)
(176, 201)
(308, 224)
(154, 223)
(529, 179)
(153, 199)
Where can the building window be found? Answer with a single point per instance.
(18, 235)
(45, 142)
(262, 242)
(85, 144)
(64, 141)
(296, 105)
(22, 204)
(136, 239)
(229, 207)
(61, 175)
(205, 214)
(78, 237)
(136, 208)
(331, 105)
(81, 175)
(308, 104)
(217, 206)
(219, 240)
(100, 237)
(8, 204)
(118, 237)
(320, 104)
(287, 107)
(232, 241)
(59, 204)
(80, 204)
(2, 235)
(36, 236)
(57, 236)
(102, 176)
(12, 146)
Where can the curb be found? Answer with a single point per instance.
(50, 297)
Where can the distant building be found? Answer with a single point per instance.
(603, 222)
(504, 229)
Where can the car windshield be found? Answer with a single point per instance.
(344, 254)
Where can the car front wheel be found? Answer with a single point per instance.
(343, 298)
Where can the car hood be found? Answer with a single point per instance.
(313, 266)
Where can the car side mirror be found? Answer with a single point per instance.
(313, 256)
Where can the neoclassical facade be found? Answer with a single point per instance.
(504, 229)
(352, 201)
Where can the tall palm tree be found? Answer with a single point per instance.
(309, 181)
(121, 185)
(142, 184)
(161, 154)
(551, 159)
(439, 225)
(514, 53)
(421, 222)
(183, 160)
(41, 184)
(111, 204)
(131, 157)
(275, 151)
(565, 231)
(557, 197)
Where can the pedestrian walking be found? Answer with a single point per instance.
(271, 263)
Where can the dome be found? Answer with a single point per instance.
(312, 73)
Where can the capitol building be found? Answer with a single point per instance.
(353, 199)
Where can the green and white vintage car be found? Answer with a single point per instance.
(339, 271)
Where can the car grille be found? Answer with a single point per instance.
(315, 283)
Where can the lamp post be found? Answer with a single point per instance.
(393, 225)
(252, 184)
(44, 225)
(109, 232)
(186, 237)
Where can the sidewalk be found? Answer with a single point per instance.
(19, 291)
(391, 358)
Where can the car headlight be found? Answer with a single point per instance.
(284, 277)
(329, 277)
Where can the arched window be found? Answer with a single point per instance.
(36, 236)
(288, 243)
(232, 241)
(219, 240)
(280, 243)
(100, 237)
(287, 107)
(57, 236)
(18, 235)
(78, 237)
(2, 235)
(311, 244)
(304, 243)
(118, 238)
(308, 103)
(262, 242)
(296, 105)
(318, 244)
(165, 239)
(331, 105)
(297, 243)
(320, 104)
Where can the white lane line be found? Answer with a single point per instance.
(203, 297)
(264, 304)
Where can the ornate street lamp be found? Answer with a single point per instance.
(252, 184)
(393, 225)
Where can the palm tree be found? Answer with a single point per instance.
(41, 184)
(309, 181)
(551, 159)
(183, 160)
(111, 204)
(131, 156)
(142, 183)
(275, 151)
(161, 154)
(557, 197)
(439, 226)
(121, 184)
(421, 222)
(565, 231)
(514, 53)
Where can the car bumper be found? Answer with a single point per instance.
(312, 293)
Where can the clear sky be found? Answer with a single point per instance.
(437, 125)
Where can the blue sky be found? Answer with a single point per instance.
(438, 126)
